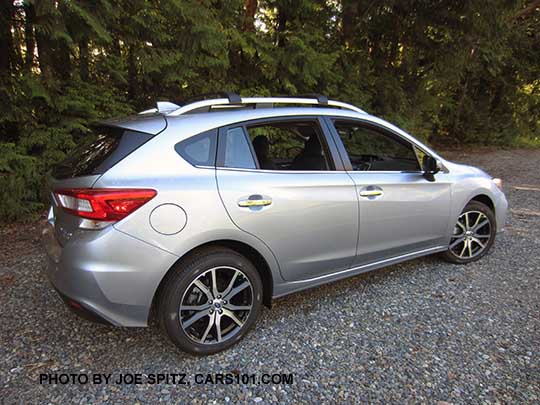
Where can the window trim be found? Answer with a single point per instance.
(345, 155)
(328, 143)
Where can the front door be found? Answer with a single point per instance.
(400, 211)
(278, 182)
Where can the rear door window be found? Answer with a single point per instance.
(289, 145)
(275, 144)
(237, 150)
(100, 151)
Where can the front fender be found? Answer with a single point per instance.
(467, 189)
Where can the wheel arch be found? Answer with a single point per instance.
(484, 199)
(242, 248)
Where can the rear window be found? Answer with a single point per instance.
(100, 151)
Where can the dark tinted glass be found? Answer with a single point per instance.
(289, 145)
(372, 149)
(99, 151)
(199, 150)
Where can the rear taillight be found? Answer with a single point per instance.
(103, 204)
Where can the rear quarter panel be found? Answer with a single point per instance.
(157, 165)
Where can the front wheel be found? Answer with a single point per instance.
(210, 300)
(473, 234)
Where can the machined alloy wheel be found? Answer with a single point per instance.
(473, 234)
(210, 300)
(216, 305)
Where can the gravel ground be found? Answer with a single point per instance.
(422, 331)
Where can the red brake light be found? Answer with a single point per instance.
(103, 204)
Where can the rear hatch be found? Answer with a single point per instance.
(108, 144)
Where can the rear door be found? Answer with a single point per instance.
(278, 181)
(400, 211)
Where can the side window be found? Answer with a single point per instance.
(372, 149)
(199, 150)
(289, 145)
(237, 150)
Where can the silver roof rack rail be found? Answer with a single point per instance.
(263, 101)
(232, 100)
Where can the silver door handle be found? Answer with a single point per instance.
(370, 193)
(255, 202)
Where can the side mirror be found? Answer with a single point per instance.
(430, 166)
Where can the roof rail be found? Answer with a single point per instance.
(166, 106)
(233, 97)
(233, 100)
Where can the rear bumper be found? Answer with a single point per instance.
(81, 310)
(111, 275)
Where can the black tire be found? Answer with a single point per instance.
(179, 281)
(474, 207)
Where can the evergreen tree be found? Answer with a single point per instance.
(451, 73)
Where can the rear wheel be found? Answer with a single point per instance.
(210, 301)
(473, 234)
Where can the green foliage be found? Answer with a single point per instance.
(450, 73)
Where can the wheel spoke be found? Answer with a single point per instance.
(467, 220)
(238, 307)
(458, 223)
(214, 283)
(233, 317)
(211, 322)
(478, 218)
(237, 289)
(478, 243)
(231, 283)
(204, 289)
(201, 307)
(457, 242)
(470, 248)
(464, 248)
(194, 318)
(218, 327)
(476, 227)
(478, 236)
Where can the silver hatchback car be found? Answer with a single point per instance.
(200, 214)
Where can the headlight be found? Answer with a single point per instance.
(498, 182)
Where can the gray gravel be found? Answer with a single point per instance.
(423, 331)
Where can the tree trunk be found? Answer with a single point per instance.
(83, 60)
(115, 46)
(528, 11)
(249, 17)
(29, 38)
(6, 38)
(281, 27)
(132, 73)
(62, 51)
(349, 20)
(43, 42)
